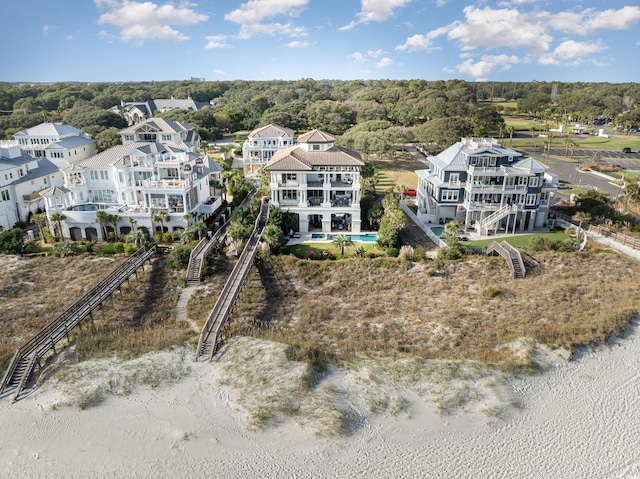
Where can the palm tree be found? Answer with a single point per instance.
(188, 216)
(199, 227)
(136, 237)
(133, 222)
(39, 219)
(511, 130)
(453, 228)
(342, 241)
(58, 218)
(102, 220)
(160, 217)
(112, 220)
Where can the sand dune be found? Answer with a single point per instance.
(578, 419)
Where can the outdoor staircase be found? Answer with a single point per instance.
(29, 354)
(210, 335)
(496, 216)
(511, 255)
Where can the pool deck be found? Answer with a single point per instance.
(306, 237)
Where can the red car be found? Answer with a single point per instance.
(409, 192)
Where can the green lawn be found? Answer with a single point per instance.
(518, 241)
(628, 175)
(302, 249)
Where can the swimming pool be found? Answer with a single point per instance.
(356, 238)
(94, 207)
(439, 232)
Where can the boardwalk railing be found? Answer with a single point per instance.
(621, 238)
(43, 341)
(511, 255)
(219, 315)
(199, 254)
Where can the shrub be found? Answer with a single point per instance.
(88, 246)
(11, 241)
(407, 253)
(65, 248)
(118, 247)
(31, 247)
(393, 252)
(179, 256)
(167, 237)
(491, 292)
(420, 254)
(130, 249)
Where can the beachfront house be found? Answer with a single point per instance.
(60, 144)
(485, 186)
(23, 178)
(262, 143)
(138, 180)
(319, 182)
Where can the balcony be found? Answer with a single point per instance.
(165, 184)
(31, 197)
(489, 187)
(210, 206)
(494, 170)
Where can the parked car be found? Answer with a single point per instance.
(626, 149)
(409, 192)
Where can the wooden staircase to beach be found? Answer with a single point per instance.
(29, 354)
(210, 335)
(511, 255)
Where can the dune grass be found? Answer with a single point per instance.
(334, 310)
(302, 250)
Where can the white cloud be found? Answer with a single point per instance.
(251, 15)
(384, 62)
(298, 44)
(571, 53)
(359, 57)
(69, 38)
(47, 29)
(480, 70)
(147, 20)
(421, 43)
(375, 53)
(589, 21)
(219, 73)
(375, 11)
(495, 28)
(216, 41)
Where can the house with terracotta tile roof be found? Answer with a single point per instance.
(262, 143)
(485, 186)
(319, 182)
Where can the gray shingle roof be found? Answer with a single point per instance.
(54, 191)
(316, 136)
(114, 155)
(160, 124)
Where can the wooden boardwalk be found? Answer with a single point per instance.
(199, 254)
(30, 353)
(219, 315)
(511, 255)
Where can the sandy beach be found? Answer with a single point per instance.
(577, 419)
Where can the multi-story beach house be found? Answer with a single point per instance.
(319, 182)
(158, 169)
(22, 180)
(136, 112)
(486, 187)
(262, 143)
(61, 144)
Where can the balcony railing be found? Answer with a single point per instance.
(166, 184)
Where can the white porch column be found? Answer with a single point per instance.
(326, 222)
(303, 223)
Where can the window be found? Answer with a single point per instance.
(166, 137)
(315, 147)
(522, 180)
(104, 175)
(450, 195)
(93, 174)
(532, 200)
(289, 177)
(533, 181)
(128, 138)
(454, 177)
(102, 195)
(5, 195)
(289, 195)
(121, 177)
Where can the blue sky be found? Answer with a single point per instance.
(502, 40)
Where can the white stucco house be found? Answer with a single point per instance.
(319, 182)
(262, 143)
(485, 186)
(22, 180)
(61, 144)
(137, 180)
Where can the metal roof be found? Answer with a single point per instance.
(296, 158)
